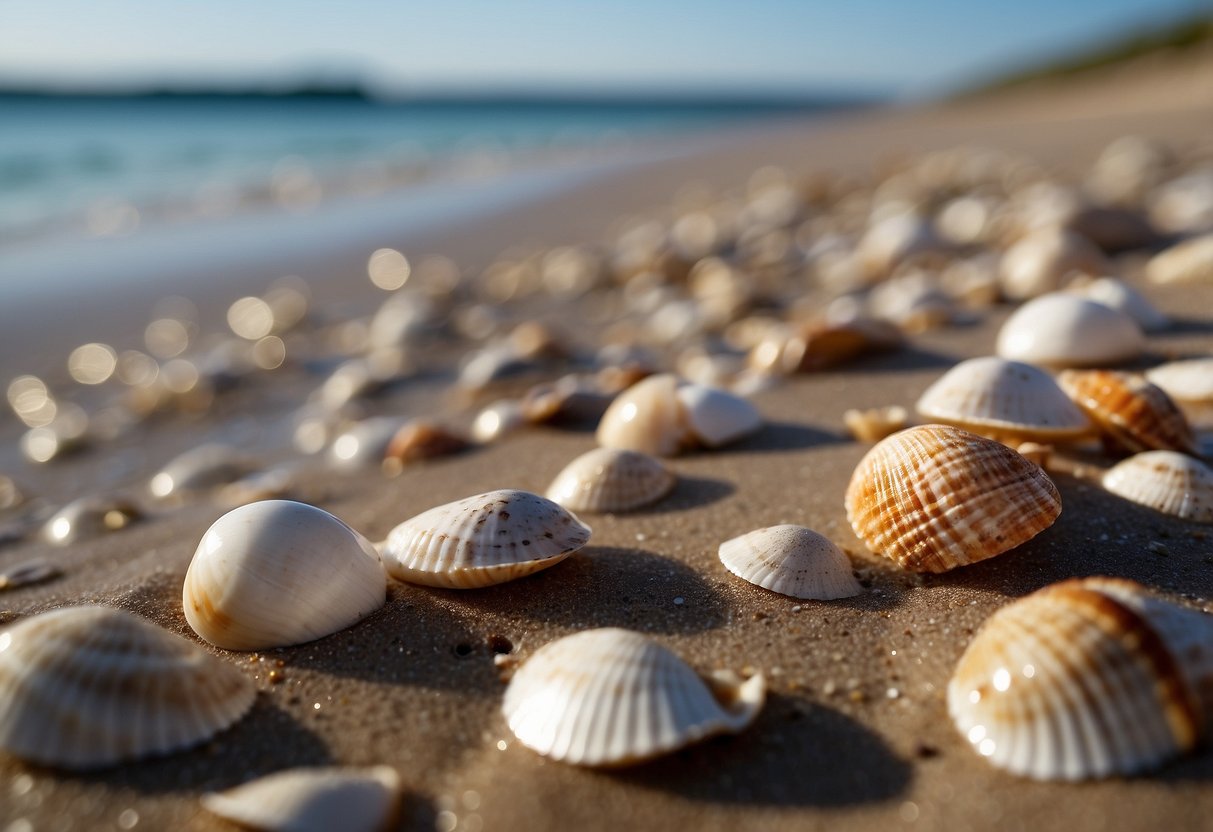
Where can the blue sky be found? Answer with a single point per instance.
(903, 46)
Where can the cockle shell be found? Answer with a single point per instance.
(608, 479)
(611, 697)
(85, 687)
(89, 516)
(791, 560)
(1121, 296)
(1040, 262)
(276, 573)
(312, 800)
(1067, 331)
(1188, 262)
(1166, 481)
(1085, 678)
(483, 540)
(936, 497)
(1001, 399)
(200, 469)
(1131, 411)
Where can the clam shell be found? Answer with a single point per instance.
(1121, 296)
(716, 417)
(608, 479)
(936, 497)
(647, 417)
(1134, 413)
(89, 517)
(1003, 399)
(1188, 381)
(1039, 263)
(1188, 262)
(1086, 678)
(312, 800)
(791, 560)
(1067, 331)
(276, 573)
(85, 687)
(1166, 481)
(483, 540)
(611, 697)
(200, 469)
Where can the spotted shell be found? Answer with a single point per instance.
(1166, 481)
(611, 697)
(935, 497)
(1083, 679)
(1003, 399)
(86, 687)
(312, 800)
(1067, 331)
(276, 573)
(791, 560)
(483, 540)
(1131, 411)
(607, 479)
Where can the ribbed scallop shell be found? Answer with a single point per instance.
(85, 687)
(1134, 413)
(935, 497)
(483, 540)
(791, 560)
(647, 417)
(1067, 331)
(612, 697)
(1000, 399)
(607, 479)
(276, 573)
(1166, 481)
(312, 800)
(1086, 678)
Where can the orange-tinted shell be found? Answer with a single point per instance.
(1132, 413)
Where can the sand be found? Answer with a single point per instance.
(855, 734)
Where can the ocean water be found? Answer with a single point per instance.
(104, 167)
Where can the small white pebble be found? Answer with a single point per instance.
(796, 608)
(892, 693)
(640, 536)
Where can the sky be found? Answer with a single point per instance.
(905, 47)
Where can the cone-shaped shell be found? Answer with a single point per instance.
(1086, 678)
(791, 560)
(483, 540)
(1131, 411)
(1003, 399)
(717, 417)
(607, 479)
(276, 573)
(1166, 481)
(312, 800)
(935, 497)
(1067, 331)
(86, 687)
(647, 417)
(612, 697)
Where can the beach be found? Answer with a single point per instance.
(855, 733)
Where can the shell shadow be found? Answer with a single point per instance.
(782, 436)
(689, 493)
(837, 761)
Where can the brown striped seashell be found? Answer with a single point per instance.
(791, 560)
(935, 497)
(1133, 414)
(1166, 481)
(86, 687)
(1083, 679)
(608, 480)
(312, 800)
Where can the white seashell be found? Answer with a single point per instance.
(1121, 296)
(1188, 262)
(1000, 399)
(276, 573)
(89, 517)
(200, 469)
(611, 697)
(716, 417)
(1188, 382)
(1085, 678)
(1063, 330)
(365, 443)
(791, 560)
(875, 423)
(647, 417)
(498, 420)
(608, 479)
(483, 540)
(1166, 481)
(28, 573)
(312, 800)
(1041, 261)
(85, 687)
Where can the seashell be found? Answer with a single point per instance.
(11, 494)
(420, 440)
(364, 443)
(1187, 382)
(791, 560)
(1066, 331)
(1133, 413)
(278, 483)
(482, 540)
(1036, 453)
(66, 433)
(497, 420)
(876, 423)
(611, 697)
(830, 345)
(647, 417)
(608, 479)
(1041, 261)
(1121, 296)
(894, 239)
(1003, 399)
(351, 381)
(200, 469)
(1188, 262)
(1083, 679)
(28, 573)
(89, 517)
(569, 399)
(1184, 206)
(1166, 481)
(936, 497)
(915, 302)
(312, 800)
(276, 573)
(85, 687)
(716, 417)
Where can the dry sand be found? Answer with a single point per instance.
(855, 734)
